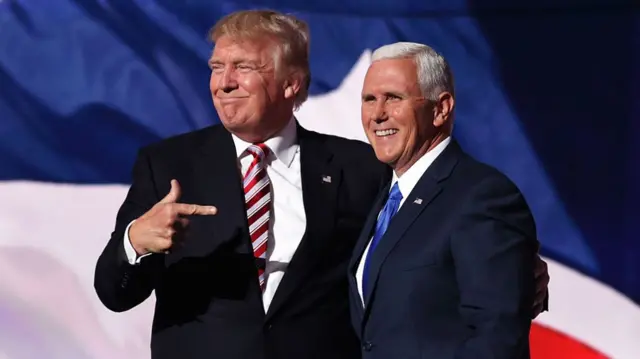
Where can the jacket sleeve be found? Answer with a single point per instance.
(494, 251)
(119, 284)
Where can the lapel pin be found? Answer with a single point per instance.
(326, 179)
(418, 201)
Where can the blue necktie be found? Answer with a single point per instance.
(390, 208)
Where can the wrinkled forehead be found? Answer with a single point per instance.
(391, 75)
(256, 48)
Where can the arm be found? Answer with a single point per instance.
(119, 284)
(494, 250)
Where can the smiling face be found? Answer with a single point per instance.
(400, 123)
(251, 100)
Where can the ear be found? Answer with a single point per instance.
(443, 109)
(292, 85)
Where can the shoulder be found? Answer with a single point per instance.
(490, 196)
(487, 189)
(352, 155)
(483, 177)
(183, 143)
(468, 173)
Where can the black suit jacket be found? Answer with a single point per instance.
(208, 301)
(453, 276)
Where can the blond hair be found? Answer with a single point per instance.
(291, 36)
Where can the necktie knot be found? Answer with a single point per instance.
(395, 194)
(258, 150)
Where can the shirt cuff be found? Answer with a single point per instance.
(132, 255)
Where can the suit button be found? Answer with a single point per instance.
(125, 279)
(367, 346)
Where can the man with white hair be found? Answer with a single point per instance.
(444, 265)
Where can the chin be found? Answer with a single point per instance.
(236, 120)
(385, 157)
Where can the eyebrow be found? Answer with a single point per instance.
(395, 94)
(253, 63)
(235, 62)
(386, 94)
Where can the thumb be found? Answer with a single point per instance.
(174, 193)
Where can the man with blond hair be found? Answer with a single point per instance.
(273, 212)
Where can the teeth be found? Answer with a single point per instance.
(389, 132)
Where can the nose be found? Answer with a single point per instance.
(379, 113)
(228, 82)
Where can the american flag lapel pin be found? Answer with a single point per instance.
(418, 201)
(326, 179)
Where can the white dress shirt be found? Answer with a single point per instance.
(405, 183)
(287, 222)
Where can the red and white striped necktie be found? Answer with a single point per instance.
(257, 194)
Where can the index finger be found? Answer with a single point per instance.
(195, 209)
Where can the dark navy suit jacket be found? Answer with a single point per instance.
(453, 276)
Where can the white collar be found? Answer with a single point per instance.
(410, 178)
(283, 144)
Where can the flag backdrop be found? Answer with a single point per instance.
(547, 91)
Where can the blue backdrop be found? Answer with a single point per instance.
(548, 91)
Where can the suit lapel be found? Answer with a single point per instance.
(427, 188)
(361, 245)
(217, 181)
(367, 229)
(320, 181)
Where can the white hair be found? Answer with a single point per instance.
(434, 74)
